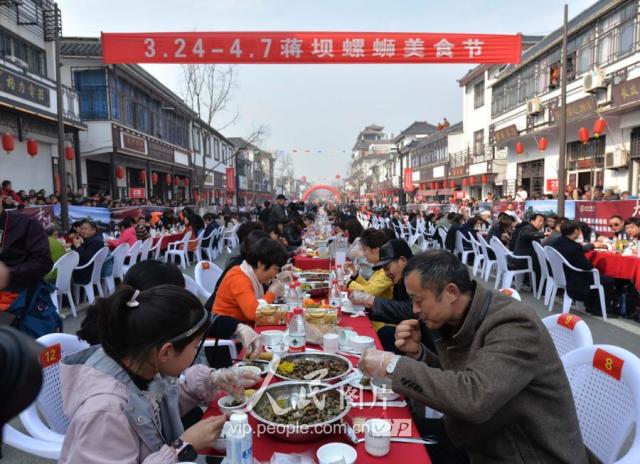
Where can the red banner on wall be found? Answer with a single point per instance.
(552, 186)
(137, 192)
(407, 183)
(309, 47)
(231, 180)
(597, 213)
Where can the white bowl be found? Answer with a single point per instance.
(361, 342)
(333, 452)
(225, 402)
(382, 390)
(271, 337)
(256, 370)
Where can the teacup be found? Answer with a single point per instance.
(377, 437)
(272, 337)
(345, 337)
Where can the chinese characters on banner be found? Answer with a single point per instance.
(408, 180)
(135, 192)
(231, 180)
(597, 213)
(18, 86)
(309, 47)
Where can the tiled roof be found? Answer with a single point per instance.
(81, 47)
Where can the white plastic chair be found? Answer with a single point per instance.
(478, 256)
(197, 254)
(156, 250)
(230, 344)
(145, 249)
(195, 288)
(568, 332)
(230, 238)
(511, 292)
(23, 442)
(487, 263)
(180, 249)
(206, 251)
(207, 275)
(546, 280)
(605, 382)
(504, 273)
(97, 261)
(64, 267)
(118, 255)
(558, 262)
(133, 255)
(459, 249)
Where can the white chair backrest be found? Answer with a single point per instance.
(568, 332)
(65, 266)
(207, 275)
(511, 292)
(475, 245)
(501, 254)
(186, 239)
(98, 260)
(483, 245)
(195, 288)
(605, 382)
(459, 245)
(118, 255)
(556, 260)
(49, 399)
(145, 249)
(542, 259)
(443, 234)
(134, 251)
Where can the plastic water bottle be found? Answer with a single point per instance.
(239, 440)
(297, 337)
(334, 294)
(291, 298)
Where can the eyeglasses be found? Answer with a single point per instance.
(614, 225)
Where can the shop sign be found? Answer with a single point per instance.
(133, 143)
(136, 193)
(508, 133)
(626, 92)
(583, 107)
(16, 85)
(231, 180)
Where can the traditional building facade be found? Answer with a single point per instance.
(254, 173)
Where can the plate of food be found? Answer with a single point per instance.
(315, 276)
(358, 380)
(308, 366)
(262, 365)
(295, 413)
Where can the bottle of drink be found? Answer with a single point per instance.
(297, 338)
(239, 439)
(593, 237)
(332, 275)
(334, 294)
(291, 297)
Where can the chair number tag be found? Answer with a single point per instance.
(50, 356)
(205, 265)
(608, 363)
(569, 321)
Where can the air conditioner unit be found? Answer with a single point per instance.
(534, 106)
(594, 80)
(618, 159)
(16, 61)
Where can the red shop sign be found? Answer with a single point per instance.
(231, 180)
(552, 185)
(408, 180)
(136, 193)
(309, 47)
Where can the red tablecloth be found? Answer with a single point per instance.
(265, 446)
(616, 266)
(305, 263)
(167, 239)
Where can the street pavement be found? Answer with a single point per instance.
(619, 332)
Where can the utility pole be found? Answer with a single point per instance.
(62, 170)
(562, 171)
(403, 198)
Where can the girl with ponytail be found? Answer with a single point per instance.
(123, 397)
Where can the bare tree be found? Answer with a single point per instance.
(283, 170)
(208, 90)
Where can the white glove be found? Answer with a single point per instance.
(287, 267)
(373, 363)
(251, 341)
(234, 381)
(285, 276)
(362, 298)
(277, 288)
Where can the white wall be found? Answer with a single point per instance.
(25, 172)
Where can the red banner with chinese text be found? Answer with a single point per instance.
(407, 183)
(309, 47)
(231, 180)
(137, 193)
(597, 213)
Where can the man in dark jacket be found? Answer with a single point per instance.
(263, 216)
(530, 233)
(25, 257)
(210, 226)
(496, 374)
(87, 245)
(278, 213)
(578, 283)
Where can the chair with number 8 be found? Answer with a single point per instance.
(605, 382)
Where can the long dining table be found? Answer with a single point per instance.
(264, 445)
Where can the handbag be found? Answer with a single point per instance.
(34, 311)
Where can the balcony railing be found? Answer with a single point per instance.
(70, 104)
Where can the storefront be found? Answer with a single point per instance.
(585, 163)
(531, 176)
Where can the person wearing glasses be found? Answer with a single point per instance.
(123, 398)
(616, 225)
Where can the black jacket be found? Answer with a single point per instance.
(395, 310)
(263, 217)
(277, 214)
(86, 251)
(450, 241)
(24, 249)
(524, 245)
(213, 225)
(577, 282)
(516, 233)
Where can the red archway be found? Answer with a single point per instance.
(312, 189)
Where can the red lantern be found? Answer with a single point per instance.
(8, 143)
(519, 148)
(485, 179)
(542, 143)
(452, 184)
(167, 179)
(69, 152)
(177, 181)
(583, 135)
(303, 179)
(465, 182)
(337, 176)
(599, 127)
(154, 177)
(196, 196)
(186, 182)
(120, 172)
(472, 181)
(32, 147)
(142, 175)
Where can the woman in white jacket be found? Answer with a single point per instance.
(124, 399)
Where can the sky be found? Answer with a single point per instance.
(324, 107)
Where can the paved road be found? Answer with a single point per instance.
(623, 333)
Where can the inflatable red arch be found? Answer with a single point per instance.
(331, 189)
